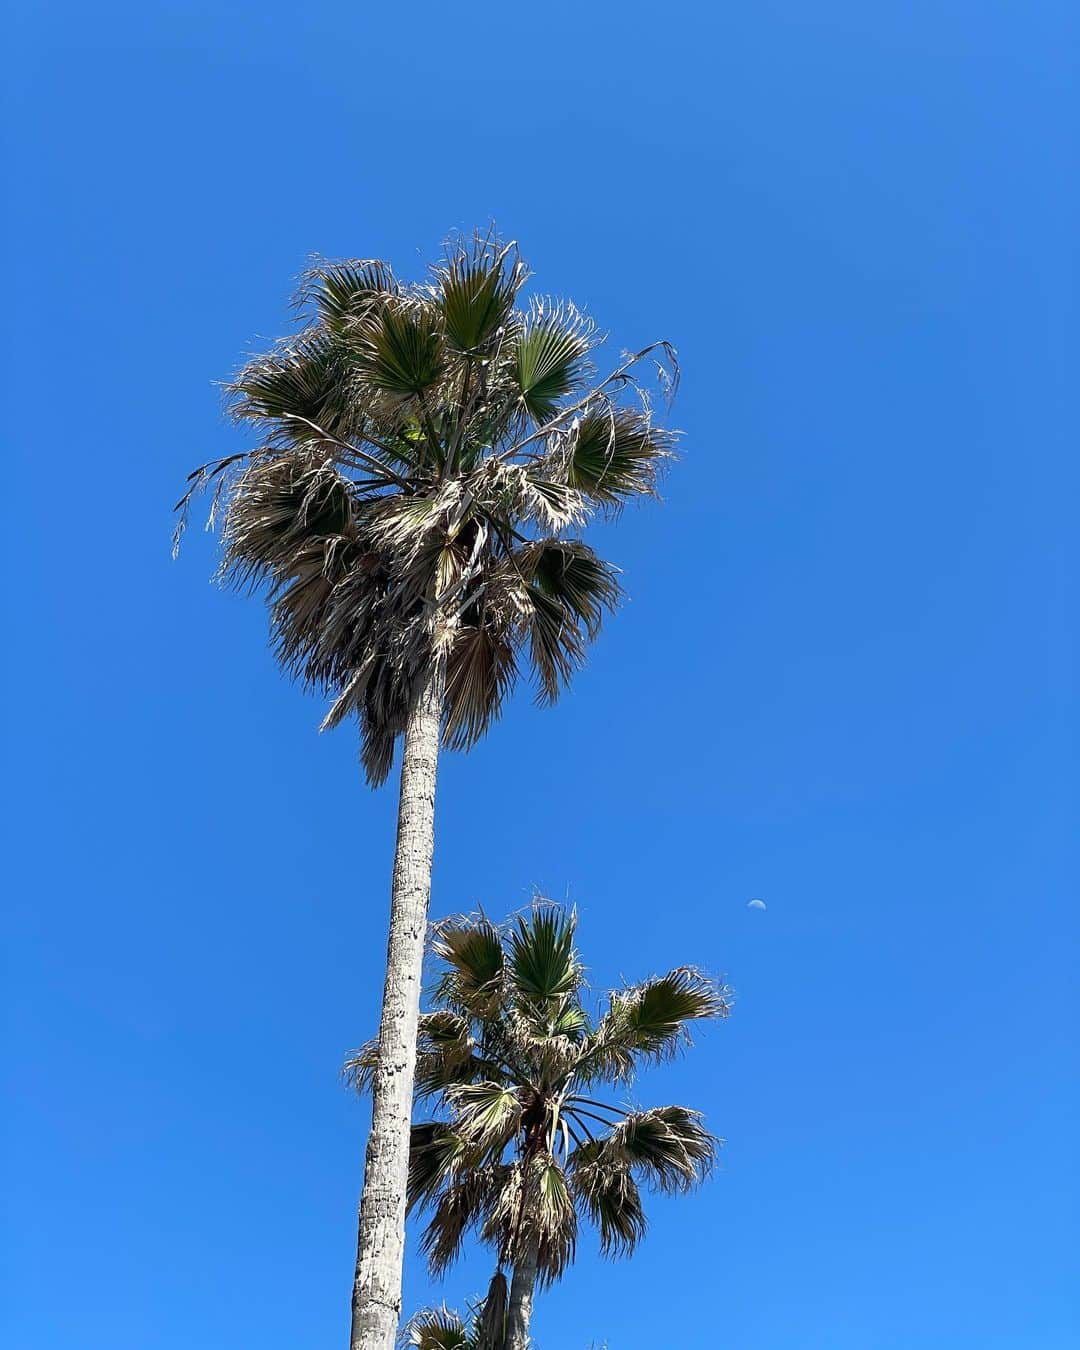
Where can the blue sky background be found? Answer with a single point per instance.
(842, 682)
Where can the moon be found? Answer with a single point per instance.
(756, 904)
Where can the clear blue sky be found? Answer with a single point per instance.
(841, 683)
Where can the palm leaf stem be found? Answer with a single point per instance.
(370, 460)
(466, 401)
(604, 1106)
(429, 429)
(574, 1134)
(507, 549)
(578, 1113)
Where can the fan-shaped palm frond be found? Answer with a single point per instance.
(543, 962)
(569, 573)
(437, 1329)
(649, 1021)
(399, 349)
(476, 289)
(549, 357)
(340, 292)
(473, 962)
(300, 382)
(666, 1147)
(614, 454)
(487, 1115)
(437, 1153)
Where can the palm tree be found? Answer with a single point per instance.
(523, 1149)
(427, 457)
(443, 1329)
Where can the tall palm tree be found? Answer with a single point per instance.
(427, 456)
(522, 1148)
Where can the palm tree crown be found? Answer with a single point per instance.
(441, 1329)
(428, 455)
(523, 1147)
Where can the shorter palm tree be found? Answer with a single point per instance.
(443, 1329)
(521, 1148)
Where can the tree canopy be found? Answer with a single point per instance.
(521, 1148)
(428, 456)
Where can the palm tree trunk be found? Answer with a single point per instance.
(380, 1248)
(521, 1300)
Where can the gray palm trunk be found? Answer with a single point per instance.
(376, 1301)
(519, 1313)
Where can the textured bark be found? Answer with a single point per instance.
(376, 1301)
(521, 1302)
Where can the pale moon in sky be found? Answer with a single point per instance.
(756, 904)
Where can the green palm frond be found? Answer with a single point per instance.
(293, 523)
(444, 1053)
(556, 645)
(486, 1115)
(649, 1021)
(575, 577)
(543, 962)
(472, 953)
(615, 454)
(437, 1329)
(342, 291)
(444, 1031)
(560, 589)
(667, 1147)
(570, 1022)
(306, 377)
(476, 292)
(549, 357)
(436, 1152)
(279, 509)
(400, 349)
